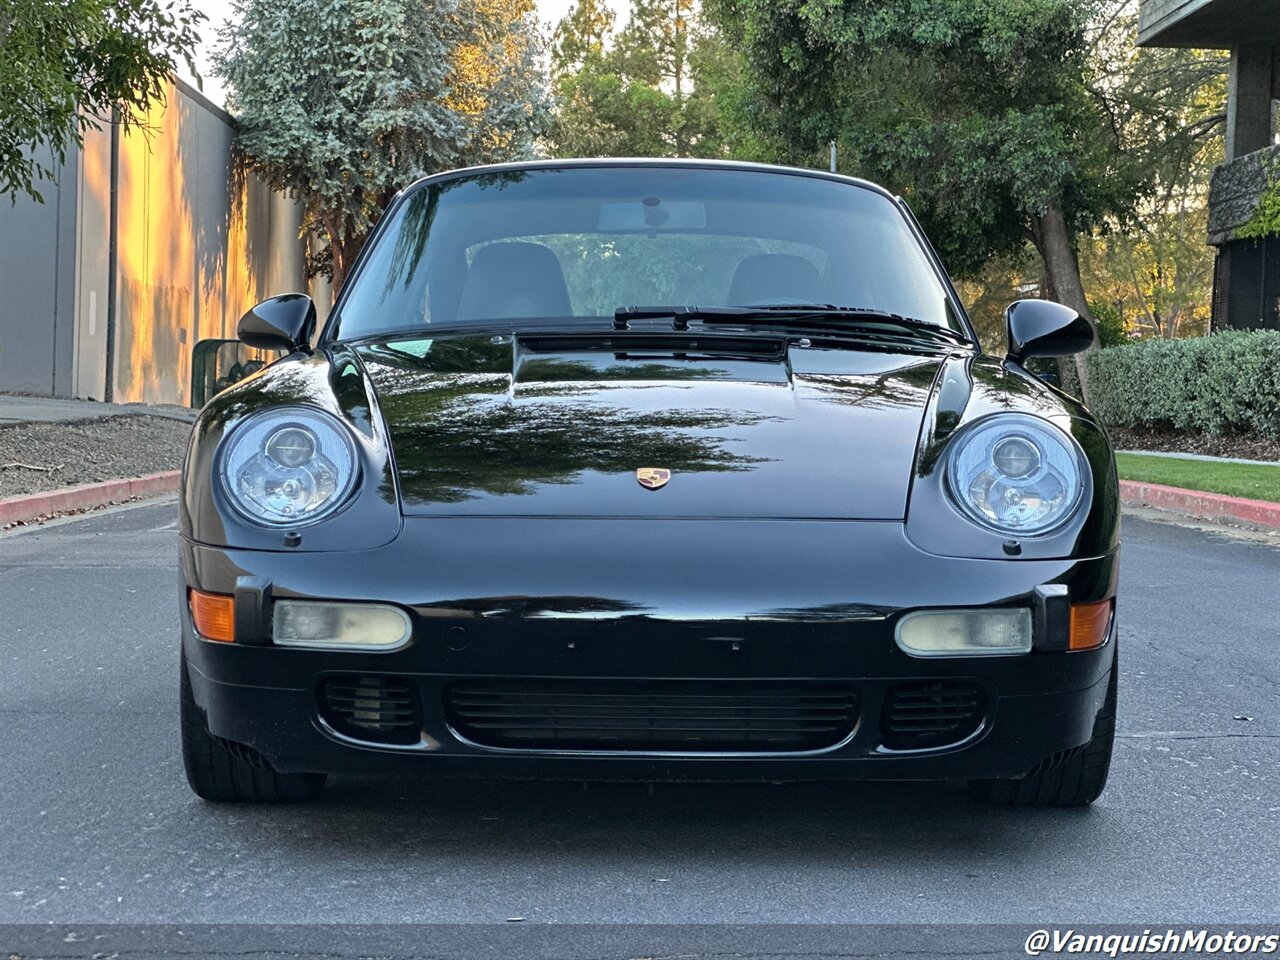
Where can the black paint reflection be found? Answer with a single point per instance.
(490, 422)
(459, 434)
(829, 612)
(907, 387)
(527, 607)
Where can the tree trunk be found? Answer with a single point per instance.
(344, 253)
(1062, 275)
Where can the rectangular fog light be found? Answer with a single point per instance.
(965, 633)
(338, 626)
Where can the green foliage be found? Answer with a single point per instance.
(1001, 123)
(343, 102)
(1112, 331)
(1234, 479)
(63, 67)
(1265, 221)
(987, 294)
(1223, 383)
(581, 36)
(1156, 273)
(1152, 264)
(977, 111)
(661, 86)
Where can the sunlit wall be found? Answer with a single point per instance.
(197, 245)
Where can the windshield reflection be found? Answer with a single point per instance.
(576, 242)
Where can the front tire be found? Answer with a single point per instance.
(224, 772)
(1075, 780)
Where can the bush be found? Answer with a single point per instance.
(1225, 383)
(1112, 331)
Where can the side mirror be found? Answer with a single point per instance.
(281, 323)
(1042, 328)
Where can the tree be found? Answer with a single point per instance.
(580, 37)
(987, 292)
(1154, 269)
(586, 89)
(343, 102)
(992, 118)
(64, 66)
(498, 83)
(646, 91)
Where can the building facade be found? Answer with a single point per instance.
(150, 242)
(1247, 271)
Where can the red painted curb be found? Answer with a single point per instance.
(1197, 503)
(85, 497)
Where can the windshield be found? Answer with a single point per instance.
(581, 242)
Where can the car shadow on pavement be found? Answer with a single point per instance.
(804, 822)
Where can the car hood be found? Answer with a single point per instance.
(559, 426)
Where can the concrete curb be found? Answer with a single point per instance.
(85, 497)
(1197, 503)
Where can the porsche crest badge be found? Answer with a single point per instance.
(651, 478)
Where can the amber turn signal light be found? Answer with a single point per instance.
(214, 615)
(1089, 624)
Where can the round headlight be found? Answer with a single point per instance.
(291, 465)
(1016, 474)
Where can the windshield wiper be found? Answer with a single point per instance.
(800, 314)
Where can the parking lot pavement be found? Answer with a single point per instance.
(99, 826)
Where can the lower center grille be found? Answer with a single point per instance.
(652, 715)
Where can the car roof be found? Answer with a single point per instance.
(647, 162)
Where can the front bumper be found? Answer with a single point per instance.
(715, 601)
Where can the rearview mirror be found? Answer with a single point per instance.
(1042, 328)
(642, 216)
(280, 323)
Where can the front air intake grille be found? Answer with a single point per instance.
(652, 715)
(374, 708)
(928, 714)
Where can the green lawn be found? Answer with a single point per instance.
(1235, 479)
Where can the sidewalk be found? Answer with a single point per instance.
(1201, 457)
(15, 408)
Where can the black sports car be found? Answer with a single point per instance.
(649, 470)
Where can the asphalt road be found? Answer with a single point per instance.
(97, 824)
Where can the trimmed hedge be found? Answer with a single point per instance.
(1228, 382)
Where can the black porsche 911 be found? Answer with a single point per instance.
(654, 470)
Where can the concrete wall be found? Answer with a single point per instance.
(196, 245)
(93, 266)
(1236, 190)
(37, 291)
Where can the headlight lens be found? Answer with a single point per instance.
(1016, 474)
(291, 465)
